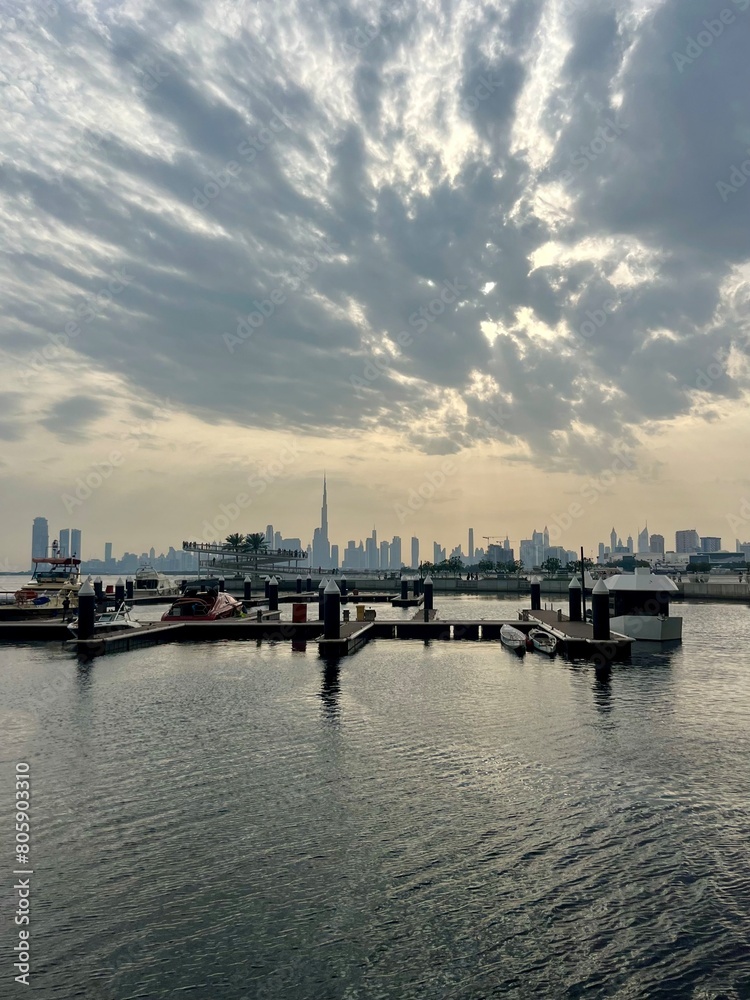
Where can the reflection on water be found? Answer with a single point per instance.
(420, 820)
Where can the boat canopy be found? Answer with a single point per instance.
(643, 581)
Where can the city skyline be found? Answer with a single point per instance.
(366, 552)
(523, 276)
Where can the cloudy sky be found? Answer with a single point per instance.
(487, 264)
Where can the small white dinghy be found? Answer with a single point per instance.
(513, 638)
(543, 641)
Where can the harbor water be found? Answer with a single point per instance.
(433, 821)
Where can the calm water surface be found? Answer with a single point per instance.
(427, 821)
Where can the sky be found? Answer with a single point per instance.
(487, 265)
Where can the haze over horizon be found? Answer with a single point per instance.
(244, 244)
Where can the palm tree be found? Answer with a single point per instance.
(235, 543)
(255, 543)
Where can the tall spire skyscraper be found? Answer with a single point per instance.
(321, 546)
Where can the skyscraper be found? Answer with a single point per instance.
(108, 552)
(371, 551)
(414, 552)
(64, 538)
(643, 540)
(269, 536)
(39, 538)
(613, 541)
(629, 544)
(385, 555)
(687, 541)
(395, 560)
(656, 544)
(470, 553)
(75, 543)
(321, 546)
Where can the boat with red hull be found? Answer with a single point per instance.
(203, 606)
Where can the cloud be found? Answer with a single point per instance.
(424, 143)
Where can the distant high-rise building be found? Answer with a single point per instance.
(613, 541)
(64, 539)
(602, 549)
(269, 537)
(710, 544)
(470, 553)
(643, 540)
(656, 544)
(414, 552)
(385, 555)
(334, 557)
(438, 553)
(687, 541)
(108, 552)
(321, 547)
(371, 551)
(75, 543)
(277, 541)
(39, 538)
(395, 559)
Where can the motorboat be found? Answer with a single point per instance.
(149, 582)
(62, 599)
(203, 606)
(52, 575)
(111, 620)
(513, 638)
(639, 606)
(543, 641)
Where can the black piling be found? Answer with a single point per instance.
(273, 594)
(308, 583)
(86, 611)
(299, 584)
(119, 592)
(574, 600)
(321, 590)
(428, 598)
(344, 587)
(129, 587)
(247, 588)
(600, 610)
(222, 584)
(417, 585)
(331, 611)
(99, 588)
(266, 586)
(536, 594)
(404, 589)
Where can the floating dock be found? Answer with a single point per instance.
(577, 638)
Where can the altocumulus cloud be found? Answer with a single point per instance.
(429, 143)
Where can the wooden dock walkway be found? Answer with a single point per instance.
(577, 638)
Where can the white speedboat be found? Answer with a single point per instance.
(543, 641)
(513, 638)
(111, 620)
(639, 606)
(149, 582)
